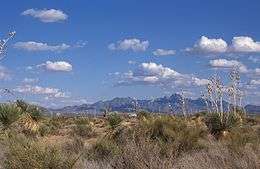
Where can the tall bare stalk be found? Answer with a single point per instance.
(234, 90)
(183, 104)
(3, 43)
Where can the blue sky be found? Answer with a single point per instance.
(67, 52)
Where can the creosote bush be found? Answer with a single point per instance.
(114, 120)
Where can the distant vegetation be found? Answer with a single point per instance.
(205, 140)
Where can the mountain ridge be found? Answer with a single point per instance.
(167, 104)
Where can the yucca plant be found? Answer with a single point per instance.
(217, 120)
(9, 113)
(218, 124)
(32, 110)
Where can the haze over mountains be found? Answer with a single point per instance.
(172, 104)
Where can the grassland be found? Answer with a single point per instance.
(30, 140)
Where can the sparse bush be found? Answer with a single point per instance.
(25, 153)
(49, 126)
(44, 130)
(143, 114)
(83, 128)
(114, 120)
(121, 135)
(142, 155)
(76, 145)
(218, 156)
(239, 137)
(104, 149)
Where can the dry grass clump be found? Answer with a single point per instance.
(26, 153)
(83, 128)
(173, 134)
(50, 126)
(240, 137)
(76, 145)
(142, 155)
(218, 156)
(104, 149)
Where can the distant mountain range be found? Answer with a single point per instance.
(172, 104)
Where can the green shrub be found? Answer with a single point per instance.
(172, 134)
(114, 120)
(9, 113)
(218, 124)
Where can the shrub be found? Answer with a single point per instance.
(114, 120)
(44, 130)
(9, 113)
(218, 124)
(144, 154)
(32, 110)
(143, 115)
(173, 134)
(83, 128)
(82, 121)
(239, 137)
(25, 153)
(76, 145)
(104, 149)
(27, 125)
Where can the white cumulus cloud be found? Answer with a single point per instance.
(130, 44)
(163, 52)
(38, 90)
(244, 44)
(38, 46)
(46, 15)
(224, 63)
(239, 44)
(57, 66)
(159, 75)
(207, 45)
